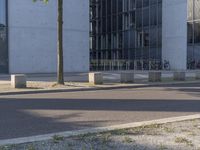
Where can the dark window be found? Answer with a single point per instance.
(3, 38)
(190, 33)
(128, 35)
(193, 34)
(197, 32)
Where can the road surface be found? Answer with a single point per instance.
(36, 114)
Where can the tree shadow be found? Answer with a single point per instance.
(27, 117)
(192, 89)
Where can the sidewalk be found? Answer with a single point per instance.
(46, 83)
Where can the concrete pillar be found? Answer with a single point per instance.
(174, 33)
(96, 78)
(18, 81)
(155, 76)
(127, 77)
(197, 74)
(179, 76)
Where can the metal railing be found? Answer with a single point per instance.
(109, 65)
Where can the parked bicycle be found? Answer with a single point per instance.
(166, 65)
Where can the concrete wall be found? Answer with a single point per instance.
(174, 33)
(32, 36)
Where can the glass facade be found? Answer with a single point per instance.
(125, 34)
(3, 38)
(193, 24)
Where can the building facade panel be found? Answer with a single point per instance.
(33, 36)
(124, 35)
(174, 33)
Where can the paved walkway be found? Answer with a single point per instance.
(27, 115)
(83, 77)
(38, 83)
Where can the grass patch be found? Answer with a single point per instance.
(185, 130)
(162, 147)
(152, 126)
(30, 147)
(106, 137)
(145, 129)
(182, 140)
(120, 132)
(192, 134)
(168, 129)
(7, 147)
(128, 140)
(57, 138)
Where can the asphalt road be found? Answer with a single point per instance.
(27, 115)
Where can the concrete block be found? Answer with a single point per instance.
(179, 76)
(127, 77)
(96, 78)
(18, 81)
(155, 76)
(197, 75)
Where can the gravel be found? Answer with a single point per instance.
(173, 136)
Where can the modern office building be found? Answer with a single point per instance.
(142, 34)
(28, 36)
(125, 34)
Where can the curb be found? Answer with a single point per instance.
(96, 130)
(39, 91)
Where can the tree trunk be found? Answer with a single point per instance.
(60, 74)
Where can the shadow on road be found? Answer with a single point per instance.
(16, 122)
(10, 104)
(192, 89)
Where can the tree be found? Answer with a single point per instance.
(60, 71)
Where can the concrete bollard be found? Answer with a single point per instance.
(18, 81)
(127, 77)
(179, 75)
(155, 76)
(197, 75)
(96, 78)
